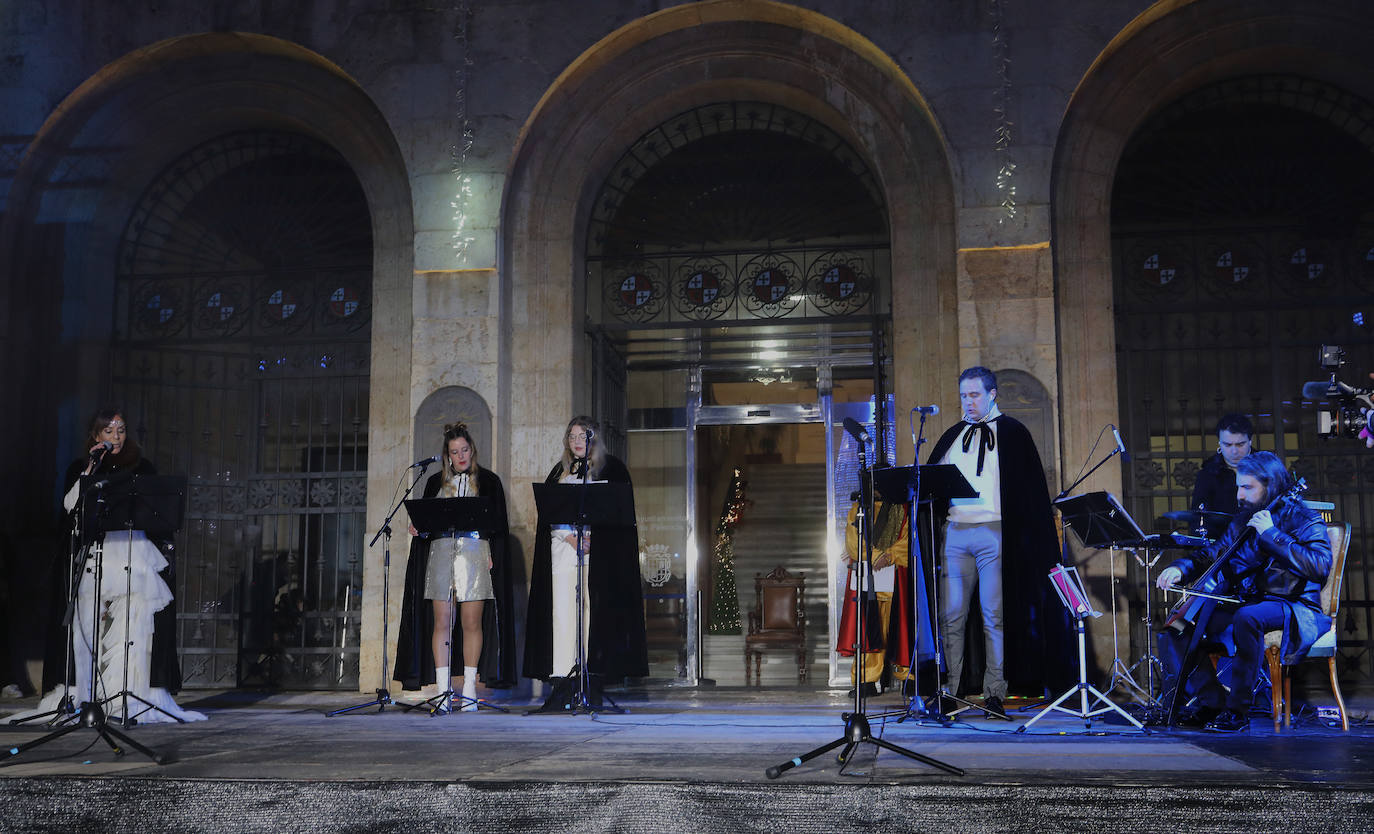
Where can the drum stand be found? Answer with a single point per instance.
(1122, 675)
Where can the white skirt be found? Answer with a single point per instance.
(128, 600)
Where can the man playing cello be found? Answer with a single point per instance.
(1279, 557)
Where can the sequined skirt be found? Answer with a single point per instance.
(458, 565)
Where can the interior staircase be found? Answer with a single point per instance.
(784, 526)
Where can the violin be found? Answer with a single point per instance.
(1212, 583)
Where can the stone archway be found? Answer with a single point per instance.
(89, 164)
(1169, 50)
(668, 63)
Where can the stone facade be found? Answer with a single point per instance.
(993, 126)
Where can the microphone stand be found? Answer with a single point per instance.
(383, 695)
(856, 727)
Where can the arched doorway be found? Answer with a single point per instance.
(640, 78)
(1243, 241)
(117, 133)
(241, 350)
(738, 279)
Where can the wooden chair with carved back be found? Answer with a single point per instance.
(777, 621)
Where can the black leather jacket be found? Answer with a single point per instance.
(1291, 560)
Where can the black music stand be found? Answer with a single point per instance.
(438, 517)
(1099, 520)
(585, 504)
(153, 504)
(924, 485)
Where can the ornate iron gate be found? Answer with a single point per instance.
(242, 355)
(1241, 244)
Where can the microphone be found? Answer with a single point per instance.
(927, 409)
(100, 451)
(426, 462)
(855, 428)
(1120, 445)
(1320, 390)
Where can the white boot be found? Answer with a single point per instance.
(470, 688)
(443, 677)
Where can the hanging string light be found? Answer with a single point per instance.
(1002, 136)
(462, 200)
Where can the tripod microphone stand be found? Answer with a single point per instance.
(65, 710)
(856, 725)
(384, 698)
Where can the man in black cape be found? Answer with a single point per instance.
(1028, 645)
(414, 653)
(616, 646)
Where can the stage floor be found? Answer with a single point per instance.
(710, 734)
(680, 760)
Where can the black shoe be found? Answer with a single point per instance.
(1229, 721)
(993, 707)
(1195, 717)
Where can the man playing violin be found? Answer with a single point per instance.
(1277, 571)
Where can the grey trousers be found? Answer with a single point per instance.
(973, 559)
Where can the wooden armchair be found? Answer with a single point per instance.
(777, 621)
(1339, 534)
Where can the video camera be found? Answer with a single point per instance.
(1342, 414)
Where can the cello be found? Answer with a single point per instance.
(1192, 612)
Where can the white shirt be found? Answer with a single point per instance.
(988, 505)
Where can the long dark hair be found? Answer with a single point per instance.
(129, 453)
(596, 452)
(1266, 468)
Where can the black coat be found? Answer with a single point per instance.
(1289, 563)
(1215, 487)
(1039, 652)
(165, 671)
(615, 636)
(414, 647)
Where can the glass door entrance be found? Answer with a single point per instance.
(740, 476)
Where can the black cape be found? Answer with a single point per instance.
(414, 649)
(1037, 626)
(616, 646)
(165, 671)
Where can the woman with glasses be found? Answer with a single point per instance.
(613, 602)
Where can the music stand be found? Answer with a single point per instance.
(154, 504)
(927, 484)
(438, 517)
(1100, 521)
(923, 484)
(1069, 587)
(585, 504)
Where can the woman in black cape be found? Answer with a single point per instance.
(416, 638)
(616, 647)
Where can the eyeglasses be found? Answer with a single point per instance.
(578, 438)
